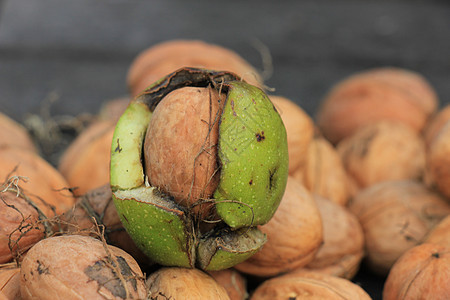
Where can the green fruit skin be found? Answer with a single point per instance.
(254, 158)
(126, 170)
(158, 230)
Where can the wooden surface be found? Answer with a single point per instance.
(78, 52)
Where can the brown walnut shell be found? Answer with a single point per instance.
(163, 58)
(79, 267)
(396, 216)
(180, 145)
(373, 95)
(19, 226)
(10, 283)
(343, 241)
(435, 124)
(324, 173)
(42, 183)
(14, 134)
(85, 163)
(383, 151)
(182, 283)
(299, 130)
(309, 285)
(440, 234)
(234, 283)
(294, 235)
(422, 272)
(438, 161)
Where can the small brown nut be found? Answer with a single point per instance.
(182, 283)
(343, 241)
(438, 161)
(440, 234)
(85, 163)
(378, 94)
(294, 235)
(14, 134)
(36, 178)
(309, 285)
(396, 216)
(163, 58)
(10, 283)
(383, 151)
(324, 173)
(19, 226)
(234, 283)
(190, 136)
(299, 130)
(420, 273)
(79, 267)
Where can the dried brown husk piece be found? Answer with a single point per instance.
(309, 285)
(384, 93)
(294, 235)
(324, 173)
(396, 216)
(422, 272)
(343, 241)
(80, 267)
(383, 151)
(183, 283)
(299, 129)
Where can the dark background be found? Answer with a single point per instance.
(77, 52)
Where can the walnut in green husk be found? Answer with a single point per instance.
(170, 159)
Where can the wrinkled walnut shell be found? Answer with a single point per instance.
(74, 267)
(396, 216)
(294, 235)
(19, 226)
(85, 163)
(343, 241)
(378, 94)
(42, 183)
(309, 285)
(383, 151)
(10, 283)
(420, 273)
(324, 173)
(299, 130)
(440, 234)
(14, 134)
(438, 161)
(182, 283)
(234, 283)
(163, 58)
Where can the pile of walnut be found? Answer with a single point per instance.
(369, 185)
